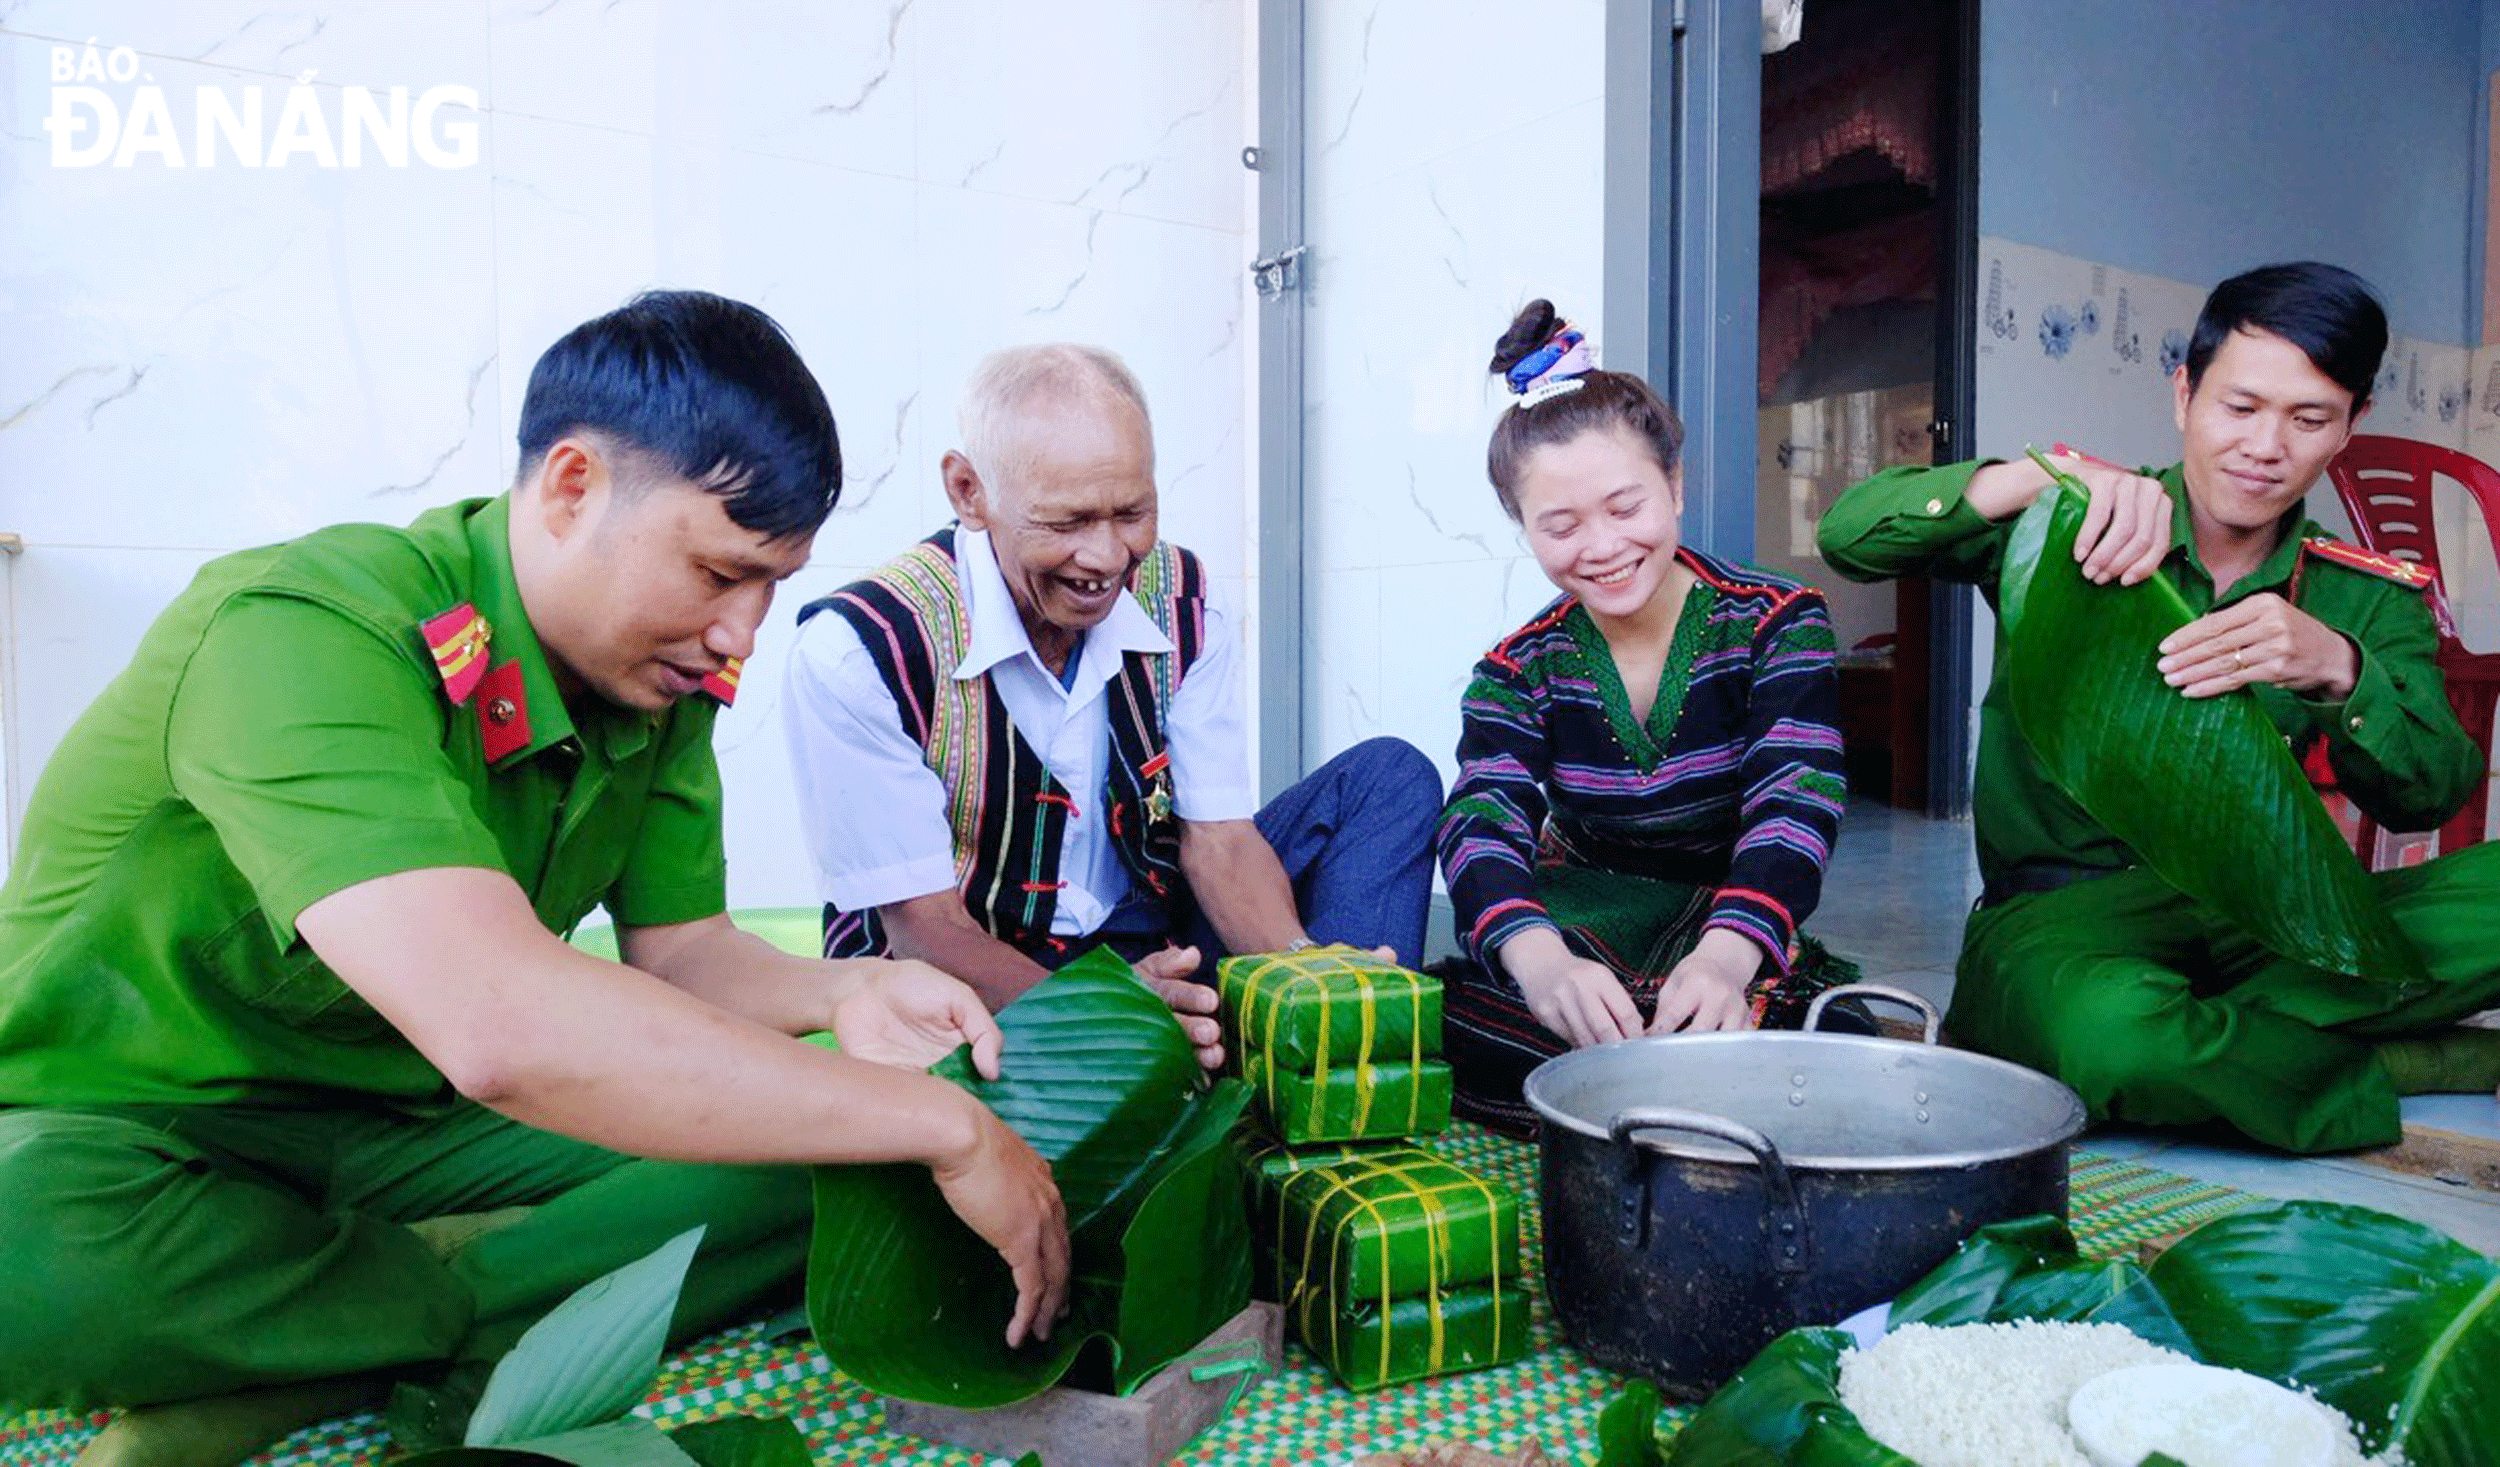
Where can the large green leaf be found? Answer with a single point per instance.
(1171, 1297)
(743, 1441)
(591, 1357)
(1627, 1429)
(1783, 1408)
(2203, 790)
(1098, 1076)
(2392, 1323)
(627, 1442)
(2029, 1268)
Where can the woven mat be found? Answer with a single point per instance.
(1299, 1416)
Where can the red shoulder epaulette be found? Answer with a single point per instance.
(2405, 573)
(458, 640)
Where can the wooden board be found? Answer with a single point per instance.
(2454, 1157)
(1147, 1426)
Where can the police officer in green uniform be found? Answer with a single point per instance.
(2084, 964)
(301, 1090)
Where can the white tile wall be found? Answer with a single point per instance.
(1455, 159)
(198, 360)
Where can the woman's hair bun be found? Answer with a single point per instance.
(1529, 330)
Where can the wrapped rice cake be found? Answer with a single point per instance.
(1389, 1223)
(1314, 1010)
(1393, 1264)
(1351, 1102)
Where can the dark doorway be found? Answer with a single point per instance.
(1866, 215)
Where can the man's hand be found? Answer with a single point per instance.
(1003, 1191)
(1193, 1003)
(1705, 993)
(905, 1013)
(1579, 999)
(2126, 528)
(2262, 639)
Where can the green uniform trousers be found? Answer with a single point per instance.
(2157, 1011)
(162, 1253)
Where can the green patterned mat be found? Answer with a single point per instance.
(1298, 1416)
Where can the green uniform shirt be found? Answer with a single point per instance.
(284, 732)
(2394, 743)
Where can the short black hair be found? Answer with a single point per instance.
(2331, 314)
(1603, 401)
(710, 390)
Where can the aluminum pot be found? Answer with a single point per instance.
(1703, 1193)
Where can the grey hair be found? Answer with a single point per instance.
(1021, 379)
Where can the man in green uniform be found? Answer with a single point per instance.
(281, 965)
(2084, 964)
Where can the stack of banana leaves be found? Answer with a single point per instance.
(1098, 1077)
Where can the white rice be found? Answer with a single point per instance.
(1994, 1395)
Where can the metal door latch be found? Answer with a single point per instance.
(1278, 273)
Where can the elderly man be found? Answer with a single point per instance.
(2082, 962)
(1025, 735)
(284, 1004)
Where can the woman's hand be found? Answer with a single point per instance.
(1705, 993)
(1581, 1000)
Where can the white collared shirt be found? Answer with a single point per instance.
(875, 813)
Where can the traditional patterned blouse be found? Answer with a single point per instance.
(1734, 782)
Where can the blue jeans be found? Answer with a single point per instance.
(1355, 839)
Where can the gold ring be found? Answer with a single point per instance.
(2237, 661)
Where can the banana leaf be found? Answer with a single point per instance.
(561, 1394)
(1097, 1075)
(631, 1441)
(2203, 790)
(2388, 1321)
(2029, 1268)
(1784, 1408)
(1627, 1429)
(2394, 1324)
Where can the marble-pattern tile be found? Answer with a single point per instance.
(1134, 115)
(371, 43)
(1393, 85)
(1411, 280)
(209, 358)
(1436, 621)
(826, 83)
(585, 218)
(1341, 670)
(224, 357)
(1168, 298)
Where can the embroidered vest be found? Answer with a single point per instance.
(1008, 813)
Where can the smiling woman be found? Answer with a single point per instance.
(1649, 771)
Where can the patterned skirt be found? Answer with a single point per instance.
(1638, 926)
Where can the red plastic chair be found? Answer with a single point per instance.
(2385, 484)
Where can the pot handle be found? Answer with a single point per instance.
(1787, 1219)
(1926, 1011)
